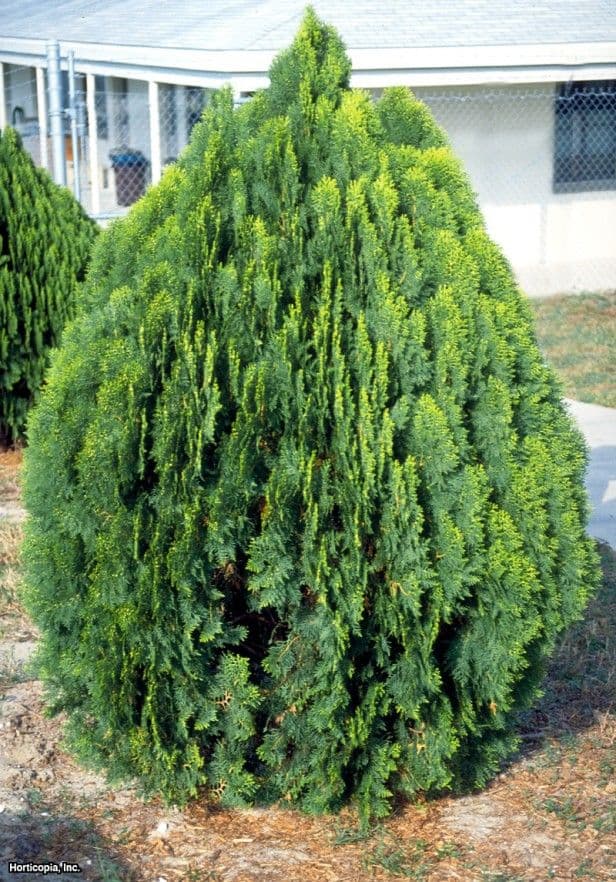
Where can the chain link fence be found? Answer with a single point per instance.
(541, 158)
(132, 152)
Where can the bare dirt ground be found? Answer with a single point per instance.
(551, 814)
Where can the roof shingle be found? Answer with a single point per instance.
(272, 24)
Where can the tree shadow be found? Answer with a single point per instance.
(40, 836)
(580, 686)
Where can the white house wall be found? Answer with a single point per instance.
(139, 120)
(556, 242)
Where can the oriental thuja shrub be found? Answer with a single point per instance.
(306, 510)
(45, 242)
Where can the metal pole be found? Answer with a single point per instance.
(95, 198)
(2, 98)
(41, 101)
(154, 131)
(73, 115)
(55, 111)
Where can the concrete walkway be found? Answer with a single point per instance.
(598, 425)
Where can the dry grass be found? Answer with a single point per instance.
(11, 516)
(12, 617)
(10, 542)
(10, 464)
(576, 333)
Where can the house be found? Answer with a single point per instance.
(525, 90)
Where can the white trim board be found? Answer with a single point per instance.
(372, 68)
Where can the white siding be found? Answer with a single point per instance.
(556, 242)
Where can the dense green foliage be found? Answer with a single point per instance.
(45, 242)
(307, 512)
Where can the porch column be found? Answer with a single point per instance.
(154, 131)
(95, 196)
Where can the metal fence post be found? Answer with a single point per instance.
(55, 111)
(73, 116)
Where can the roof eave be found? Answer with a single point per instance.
(372, 68)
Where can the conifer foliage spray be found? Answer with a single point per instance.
(45, 243)
(306, 510)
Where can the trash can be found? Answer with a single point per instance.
(130, 168)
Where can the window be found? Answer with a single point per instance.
(585, 136)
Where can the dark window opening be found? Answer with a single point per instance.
(585, 136)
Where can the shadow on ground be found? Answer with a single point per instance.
(37, 836)
(580, 687)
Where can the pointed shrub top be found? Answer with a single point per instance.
(315, 66)
(306, 510)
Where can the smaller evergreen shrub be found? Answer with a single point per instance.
(45, 241)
